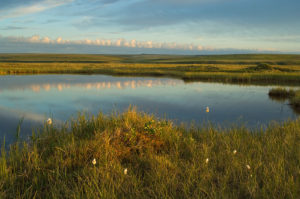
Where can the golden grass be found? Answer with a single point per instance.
(161, 160)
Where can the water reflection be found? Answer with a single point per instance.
(133, 84)
(296, 110)
(36, 98)
(278, 99)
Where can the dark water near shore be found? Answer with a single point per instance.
(36, 98)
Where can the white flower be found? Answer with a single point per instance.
(248, 166)
(94, 161)
(234, 152)
(49, 121)
(207, 109)
(125, 171)
(207, 160)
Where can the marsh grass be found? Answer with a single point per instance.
(259, 67)
(295, 101)
(162, 160)
(224, 68)
(283, 94)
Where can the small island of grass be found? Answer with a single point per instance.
(292, 95)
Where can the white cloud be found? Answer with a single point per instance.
(46, 40)
(34, 39)
(59, 40)
(105, 42)
(39, 44)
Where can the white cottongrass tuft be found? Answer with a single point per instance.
(207, 109)
(49, 121)
(125, 171)
(234, 152)
(94, 161)
(207, 160)
(248, 166)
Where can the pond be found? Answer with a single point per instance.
(38, 97)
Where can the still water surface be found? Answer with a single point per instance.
(37, 97)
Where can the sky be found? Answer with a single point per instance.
(150, 26)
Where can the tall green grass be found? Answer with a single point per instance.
(162, 160)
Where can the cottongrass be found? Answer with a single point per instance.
(207, 109)
(94, 161)
(49, 121)
(206, 160)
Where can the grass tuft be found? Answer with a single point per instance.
(295, 101)
(281, 93)
(260, 67)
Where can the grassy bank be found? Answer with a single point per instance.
(225, 68)
(138, 156)
(295, 101)
(282, 94)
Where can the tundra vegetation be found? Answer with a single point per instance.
(278, 69)
(135, 155)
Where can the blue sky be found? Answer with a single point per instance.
(150, 26)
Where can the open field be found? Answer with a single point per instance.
(144, 58)
(224, 68)
(138, 156)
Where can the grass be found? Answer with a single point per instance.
(242, 59)
(275, 69)
(295, 101)
(292, 95)
(282, 93)
(162, 160)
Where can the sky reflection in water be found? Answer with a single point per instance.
(35, 98)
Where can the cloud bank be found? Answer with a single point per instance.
(38, 44)
(36, 39)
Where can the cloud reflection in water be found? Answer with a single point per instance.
(133, 84)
